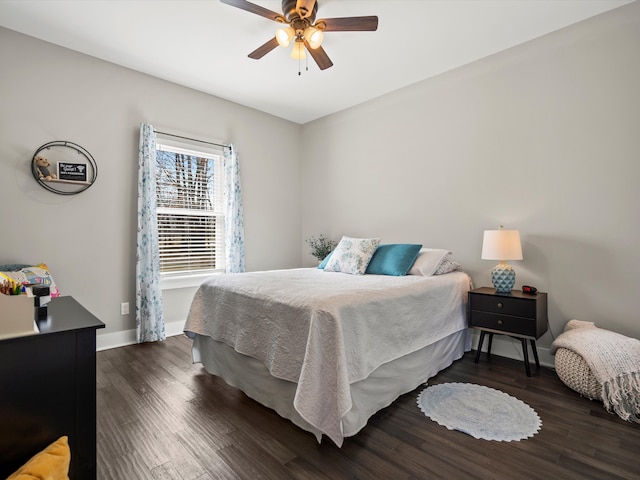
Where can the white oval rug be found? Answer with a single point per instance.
(479, 411)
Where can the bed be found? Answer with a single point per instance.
(327, 350)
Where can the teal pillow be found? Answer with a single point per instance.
(324, 262)
(393, 259)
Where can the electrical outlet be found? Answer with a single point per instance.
(124, 308)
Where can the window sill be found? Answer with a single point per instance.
(184, 281)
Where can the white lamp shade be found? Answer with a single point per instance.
(501, 245)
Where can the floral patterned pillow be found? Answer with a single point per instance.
(352, 255)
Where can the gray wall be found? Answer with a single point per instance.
(544, 138)
(88, 240)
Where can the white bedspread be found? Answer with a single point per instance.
(326, 330)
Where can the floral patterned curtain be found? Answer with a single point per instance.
(234, 223)
(149, 317)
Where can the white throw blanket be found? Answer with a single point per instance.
(614, 360)
(326, 330)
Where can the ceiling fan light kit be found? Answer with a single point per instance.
(314, 37)
(284, 36)
(303, 29)
(298, 51)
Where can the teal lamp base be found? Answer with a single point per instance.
(503, 278)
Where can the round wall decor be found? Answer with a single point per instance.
(64, 167)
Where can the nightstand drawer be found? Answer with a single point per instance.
(502, 305)
(515, 325)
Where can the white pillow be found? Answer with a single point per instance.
(428, 261)
(352, 255)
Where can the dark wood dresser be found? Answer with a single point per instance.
(48, 389)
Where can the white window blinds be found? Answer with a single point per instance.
(190, 196)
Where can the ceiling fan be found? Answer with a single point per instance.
(303, 29)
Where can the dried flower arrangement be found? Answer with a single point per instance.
(321, 246)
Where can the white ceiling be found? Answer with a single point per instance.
(203, 44)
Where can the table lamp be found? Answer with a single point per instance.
(502, 245)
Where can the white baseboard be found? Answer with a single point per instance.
(505, 346)
(128, 337)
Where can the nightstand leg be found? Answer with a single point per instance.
(490, 343)
(480, 342)
(525, 353)
(535, 352)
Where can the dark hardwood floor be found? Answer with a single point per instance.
(161, 417)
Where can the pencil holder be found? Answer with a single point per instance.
(17, 316)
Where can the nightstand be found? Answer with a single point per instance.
(516, 314)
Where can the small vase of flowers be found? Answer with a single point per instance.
(321, 246)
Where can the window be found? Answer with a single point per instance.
(190, 189)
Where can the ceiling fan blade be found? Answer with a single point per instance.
(305, 7)
(253, 8)
(264, 49)
(320, 56)
(348, 24)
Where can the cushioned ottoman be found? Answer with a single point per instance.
(576, 374)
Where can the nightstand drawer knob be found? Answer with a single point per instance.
(500, 305)
(499, 322)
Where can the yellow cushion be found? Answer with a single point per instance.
(50, 464)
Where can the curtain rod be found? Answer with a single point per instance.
(193, 139)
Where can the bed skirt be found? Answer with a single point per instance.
(379, 390)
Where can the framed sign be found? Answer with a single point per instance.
(64, 167)
(76, 172)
